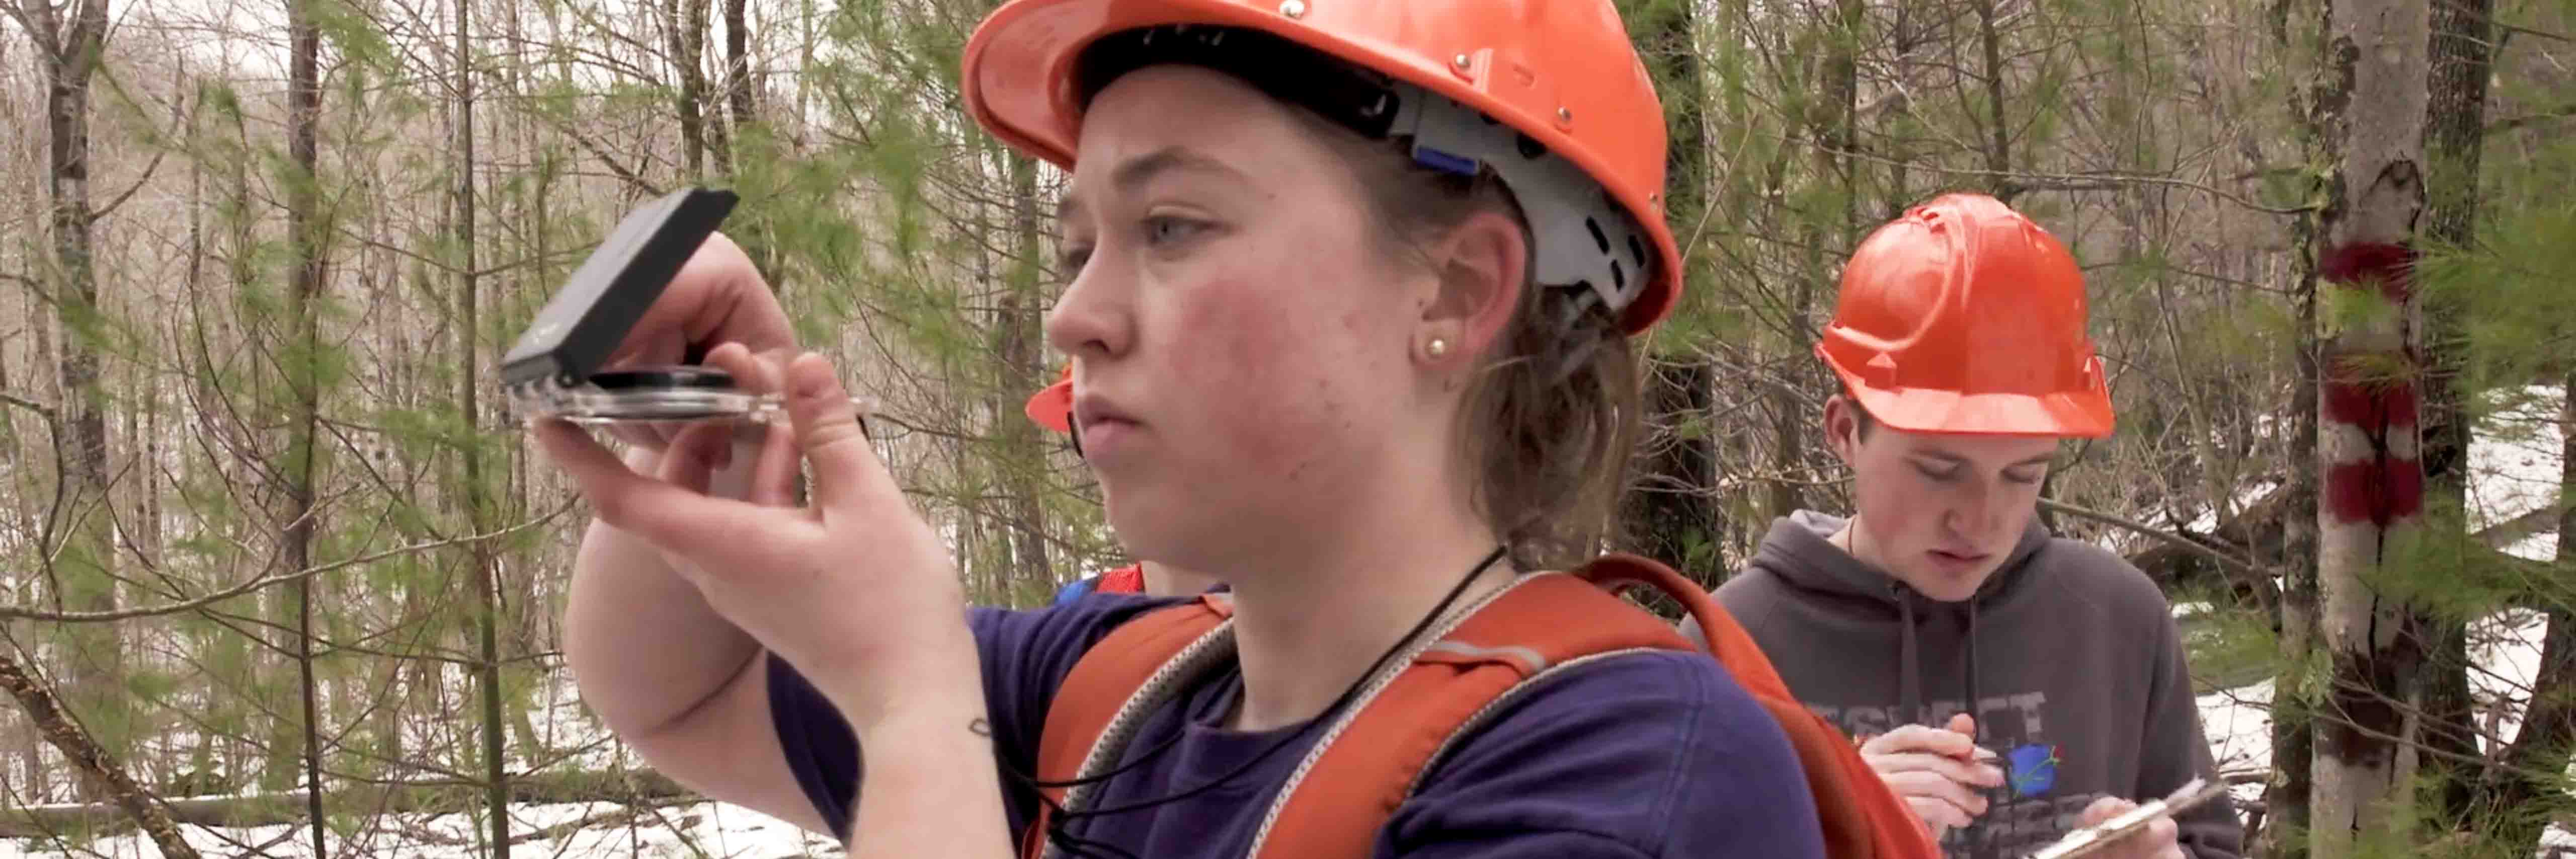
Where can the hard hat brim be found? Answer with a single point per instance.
(2067, 414)
(1052, 406)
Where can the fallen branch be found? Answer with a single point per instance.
(132, 804)
(2224, 559)
(627, 816)
(619, 817)
(273, 809)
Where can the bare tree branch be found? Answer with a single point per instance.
(7, 612)
(2527, 31)
(40, 28)
(2501, 24)
(593, 147)
(2076, 181)
(2563, 111)
(150, 168)
(41, 410)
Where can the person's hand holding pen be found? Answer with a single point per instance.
(1938, 771)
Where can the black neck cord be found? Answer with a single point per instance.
(1059, 820)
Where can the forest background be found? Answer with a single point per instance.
(264, 524)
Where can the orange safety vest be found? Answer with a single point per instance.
(1367, 765)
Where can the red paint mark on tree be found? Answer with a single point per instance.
(2378, 487)
(2379, 490)
(2370, 404)
(2391, 266)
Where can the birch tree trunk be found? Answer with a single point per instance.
(2371, 116)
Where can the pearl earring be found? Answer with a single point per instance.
(1437, 347)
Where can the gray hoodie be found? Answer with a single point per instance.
(2070, 654)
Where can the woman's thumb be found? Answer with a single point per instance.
(827, 429)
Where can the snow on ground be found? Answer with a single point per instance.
(701, 830)
(2505, 658)
(2239, 724)
(2505, 648)
(2514, 462)
(2537, 547)
(2248, 496)
(2506, 653)
(2514, 467)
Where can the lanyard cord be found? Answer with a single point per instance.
(1060, 819)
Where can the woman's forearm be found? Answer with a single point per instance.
(642, 642)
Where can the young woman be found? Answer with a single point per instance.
(2010, 685)
(1351, 291)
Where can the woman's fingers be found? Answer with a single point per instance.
(695, 455)
(775, 461)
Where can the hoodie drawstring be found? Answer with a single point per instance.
(1910, 667)
(1972, 673)
(1910, 686)
(1910, 662)
(1913, 691)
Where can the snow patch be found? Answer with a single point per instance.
(705, 829)
(2537, 547)
(2516, 458)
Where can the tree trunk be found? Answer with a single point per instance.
(2462, 57)
(476, 495)
(2287, 801)
(1019, 339)
(2461, 54)
(83, 578)
(2371, 112)
(303, 366)
(688, 44)
(1998, 142)
(739, 85)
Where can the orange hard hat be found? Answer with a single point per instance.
(1962, 316)
(1581, 135)
(1052, 406)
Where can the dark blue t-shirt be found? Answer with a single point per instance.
(1640, 755)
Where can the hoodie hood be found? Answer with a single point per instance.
(1800, 550)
